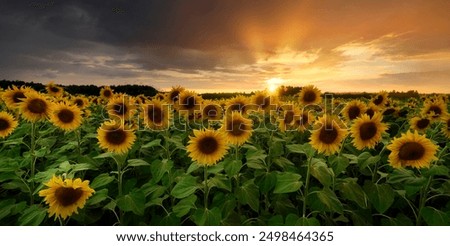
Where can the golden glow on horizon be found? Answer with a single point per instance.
(273, 84)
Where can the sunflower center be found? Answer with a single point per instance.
(367, 130)
(37, 106)
(309, 96)
(328, 134)
(210, 111)
(423, 123)
(288, 117)
(353, 112)
(155, 114)
(189, 102)
(116, 137)
(174, 96)
(437, 110)
(66, 115)
(370, 112)
(208, 145)
(67, 196)
(237, 106)
(107, 93)
(4, 124)
(411, 151)
(54, 89)
(120, 108)
(378, 100)
(389, 111)
(236, 127)
(79, 102)
(17, 96)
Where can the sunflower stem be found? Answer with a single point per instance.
(205, 177)
(374, 173)
(423, 200)
(33, 160)
(78, 136)
(306, 193)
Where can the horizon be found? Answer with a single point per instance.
(227, 46)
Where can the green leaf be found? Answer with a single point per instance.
(255, 159)
(184, 206)
(101, 180)
(266, 181)
(137, 163)
(339, 164)
(5, 207)
(104, 155)
(322, 172)
(302, 221)
(381, 196)
(366, 159)
(159, 167)
(98, 197)
(405, 176)
(220, 181)
(156, 142)
(437, 170)
(207, 217)
(232, 167)
(248, 193)
(435, 217)
(330, 200)
(193, 167)
(283, 162)
(132, 202)
(352, 191)
(32, 216)
(185, 187)
(301, 149)
(82, 167)
(287, 182)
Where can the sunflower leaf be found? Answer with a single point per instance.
(381, 196)
(101, 180)
(184, 206)
(185, 187)
(132, 202)
(156, 142)
(287, 182)
(32, 216)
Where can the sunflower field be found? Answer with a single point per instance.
(178, 159)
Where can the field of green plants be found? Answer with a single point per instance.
(178, 159)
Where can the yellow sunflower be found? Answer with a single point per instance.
(7, 124)
(114, 137)
(237, 128)
(446, 126)
(121, 107)
(303, 121)
(354, 109)
(189, 102)
(54, 90)
(435, 108)
(327, 135)
(380, 99)
(106, 93)
(287, 120)
(420, 124)
(264, 101)
(35, 107)
(238, 104)
(14, 96)
(371, 109)
(156, 115)
(211, 110)
(207, 147)
(412, 149)
(65, 196)
(66, 117)
(309, 95)
(80, 101)
(366, 131)
(160, 96)
(174, 94)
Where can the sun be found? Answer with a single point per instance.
(273, 84)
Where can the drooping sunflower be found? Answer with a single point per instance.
(65, 196)
(121, 107)
(54, 90)
(237, 128)
(115, 137)
(366, 131)
(309, 95)
(412, 149)
(446, 126)
(106, 93)
(156, 115)
(67, 117)
(174, 94)
(207, 146)
(420, 124)
(264, 101)
(211, 110)
(13, 96)
(238, 104)
(435, 108)
(327, 135)
(35, 107)
(380, 99)
(80, 101)
(189, 102)
(7, 124)
(354, 109)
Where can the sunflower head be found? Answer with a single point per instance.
(80, 101)
(7, 124)
(188, 102)
(160, 96)
(309, 95)
(67, 117)
(174, 94)
(156, 115)
(211, 110)
(367, 131)
(303, 121)
(207, 147)
(435, 108)
(420, 124)
(446, 126)
(65, 196)
(236, 128)
(121, 107)
(54, 90)
(115, 137)
(106, 93)
(354, 109)
(14, 96)
(237, 104)
(265, 101)
(380, 99)
(371, 109)
(288, 118)
(35, 107)
(328, 135)
(412, 149)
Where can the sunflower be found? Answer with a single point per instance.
(327, 135)
(174, 94)
(188, 102)
(121, 107)
(66, 196)
(264, 101)
(156, 115)
(380, 99)
(207, 147)
(446, 126)
(80, 101)
(7, 124)
(309, 95)
(371, 109)
(211, 110)
(237, 128)
(237, 104)
(160, 96)
(35, 107)
(14, 96)
(54, 90)
(354, 109)
(106, 93)
(411, 149)
(366, 131)
(288, 118)
(114, 137)
(391, 111)
(435, 108)
(66, 117)
(420, 124)
(303, 121)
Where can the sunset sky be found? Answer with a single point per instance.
(228, 46)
